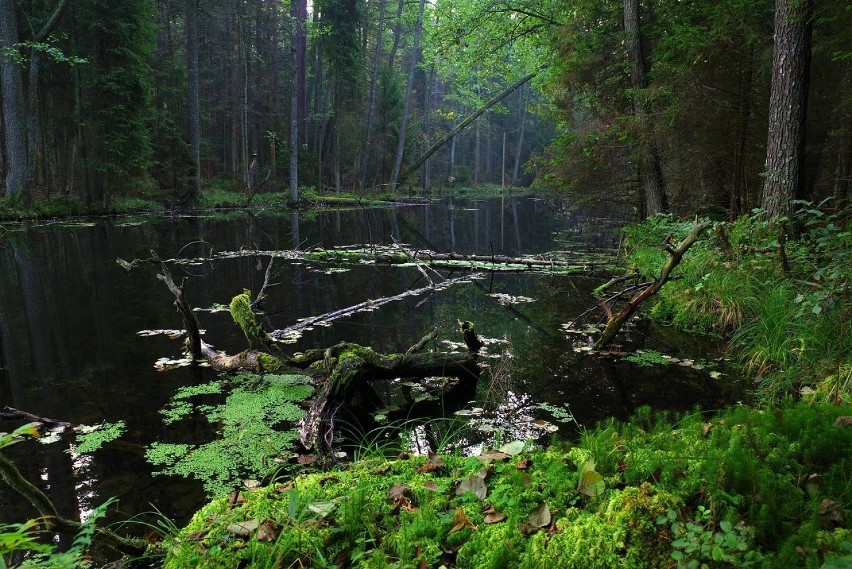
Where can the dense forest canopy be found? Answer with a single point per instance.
(655, 105)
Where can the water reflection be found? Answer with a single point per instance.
(69, 317)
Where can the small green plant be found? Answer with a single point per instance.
(256, 421)
(699, 541)
(90, 439)
(648, 358)
(20, 547)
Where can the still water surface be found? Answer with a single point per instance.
(69, 318)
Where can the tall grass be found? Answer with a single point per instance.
(790, 332)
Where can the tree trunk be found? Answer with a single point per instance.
(301, 68)
(14, 110)
(463, 124)
(406, 103)
(787, 105)
(650, 171)
(371, 105)
(193, 107)
(294, 102)
(522, 117)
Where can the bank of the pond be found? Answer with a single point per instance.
(782, 301)
(215, 198)
(744, 488)
(747, 487)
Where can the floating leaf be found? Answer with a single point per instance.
(473, 484)
(540, 516)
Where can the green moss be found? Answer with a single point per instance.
(747, 466)
(243, 315)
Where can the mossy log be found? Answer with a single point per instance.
(616, 320)
(335, 369)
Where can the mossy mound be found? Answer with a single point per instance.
(744, 489)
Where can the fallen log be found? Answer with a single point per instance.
(336, 370)
(616, 320)
(396, 255)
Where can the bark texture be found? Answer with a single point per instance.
(787, 105)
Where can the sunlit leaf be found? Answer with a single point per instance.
(513, 448)
(591, 482)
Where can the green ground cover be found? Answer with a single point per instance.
(745, 488)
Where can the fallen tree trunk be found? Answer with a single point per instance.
(390, 255)
(617, 320)
(464, 124)
(335, 370)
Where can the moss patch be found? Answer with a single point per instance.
(740, 476)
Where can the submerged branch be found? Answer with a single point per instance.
(365, 306)
(13, 477)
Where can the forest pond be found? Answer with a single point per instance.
(79, 335)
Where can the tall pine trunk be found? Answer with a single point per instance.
(14, 110)
(193, 107)
(787, 105)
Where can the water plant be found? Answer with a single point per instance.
(256, 425)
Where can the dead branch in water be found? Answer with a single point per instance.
(337, 370)
(616, 320)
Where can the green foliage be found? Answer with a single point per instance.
(118, 40)
(651, 511)
(8, 439)
(256, 424)
(699, 542)
(790, 332)
(19, 539)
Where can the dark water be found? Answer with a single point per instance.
(69, 317)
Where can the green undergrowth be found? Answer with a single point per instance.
(743, 489)
(790, 330)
